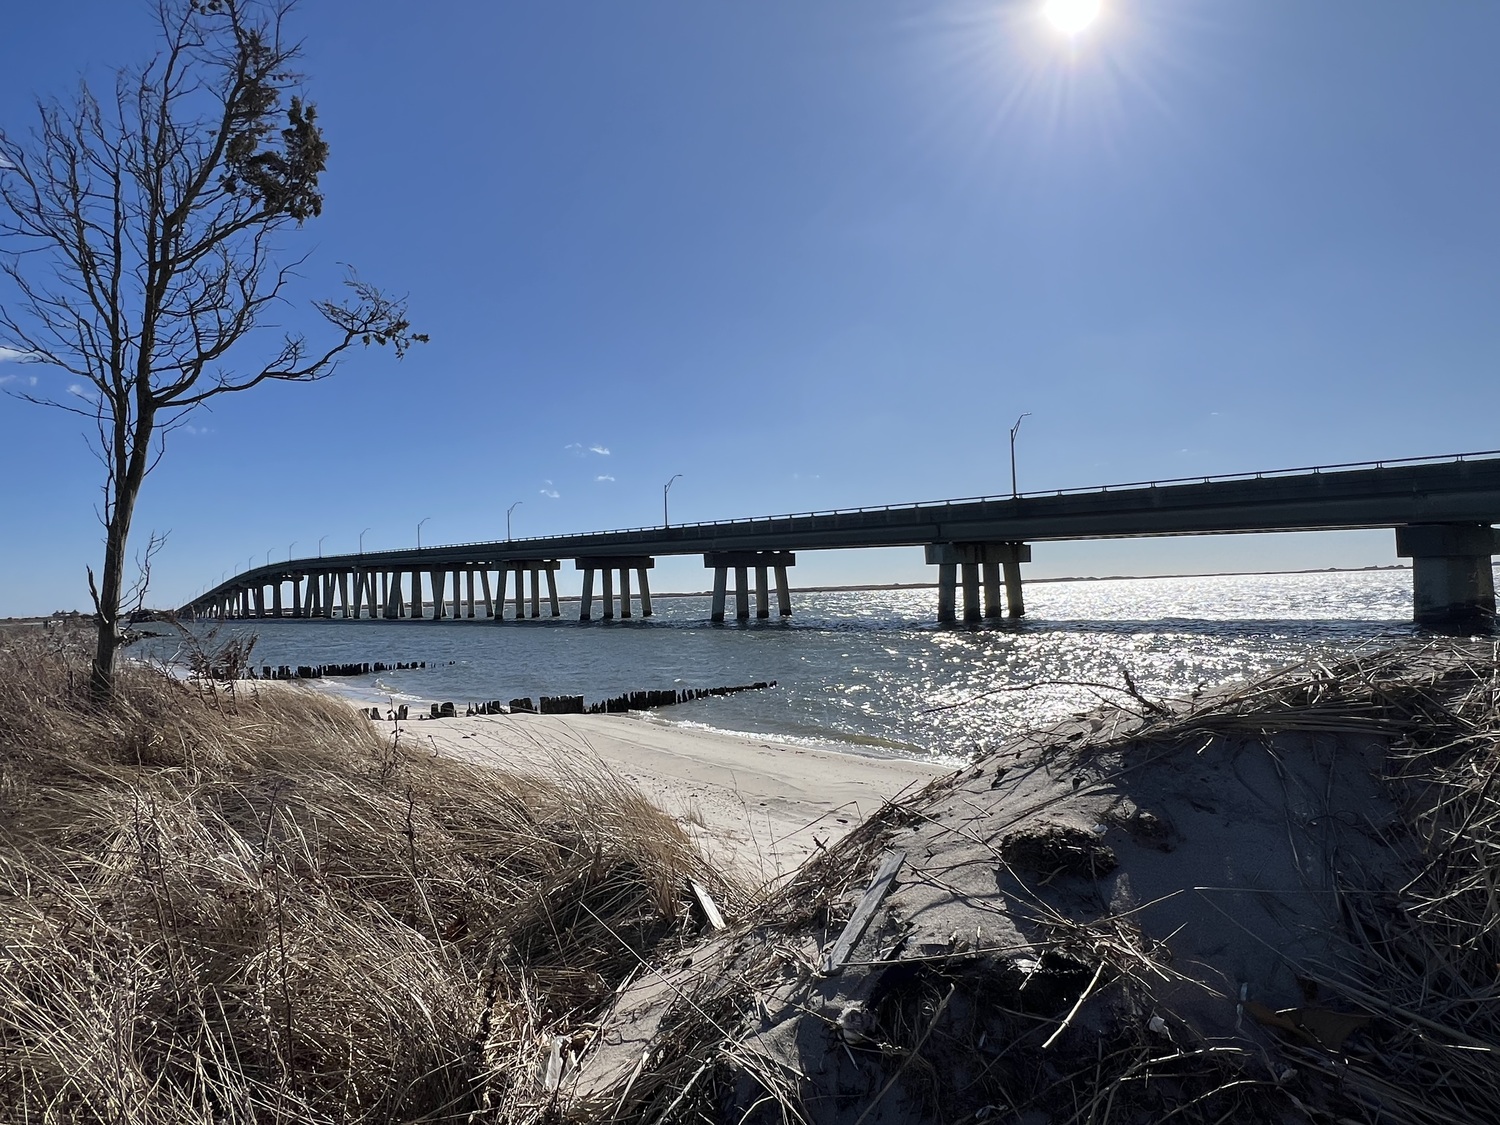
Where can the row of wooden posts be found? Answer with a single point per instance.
(574, 704)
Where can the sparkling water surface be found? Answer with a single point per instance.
(870, 671)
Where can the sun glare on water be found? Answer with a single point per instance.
(1071, 17)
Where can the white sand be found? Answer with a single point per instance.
(760, 806)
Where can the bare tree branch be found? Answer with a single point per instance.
(142, 246)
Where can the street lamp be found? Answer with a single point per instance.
(1013, 431)
(420, 522)
(250, 563)
(268, 556)
(666, 488)
(508, 511)
(362, 541)
(320, 544)
(289, 547)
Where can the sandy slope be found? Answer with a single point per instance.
(1213, 912)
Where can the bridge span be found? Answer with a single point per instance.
(1440, 509)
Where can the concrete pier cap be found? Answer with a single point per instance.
(940, 553)
(1453, 579)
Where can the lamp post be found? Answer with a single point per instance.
(1013, 431)
(666, 488)
(420, 522)
(268, 556)
(289, 547)
(320, 544)
(508, 511)
(250, 563)
(362, 541)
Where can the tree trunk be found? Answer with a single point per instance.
(107, 613)
(131, 472)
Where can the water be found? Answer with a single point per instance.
(870, 671)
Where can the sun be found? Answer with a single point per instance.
(1071, 17)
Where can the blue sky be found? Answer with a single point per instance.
(822, 255)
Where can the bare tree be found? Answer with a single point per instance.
(142, 250)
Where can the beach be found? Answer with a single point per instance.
(756, 806)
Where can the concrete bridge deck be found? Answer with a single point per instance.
(1442, 509)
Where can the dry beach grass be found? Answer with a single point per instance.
(221, 906)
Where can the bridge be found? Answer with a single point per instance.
(1441, 510)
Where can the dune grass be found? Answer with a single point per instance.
(227, 906)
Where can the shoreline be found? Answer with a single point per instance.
(762, 807)
(841, 745)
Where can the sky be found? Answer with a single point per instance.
(812, 256)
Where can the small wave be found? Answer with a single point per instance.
(869, 746)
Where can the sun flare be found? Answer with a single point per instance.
(1071, 17)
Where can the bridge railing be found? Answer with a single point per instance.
(1217, 478)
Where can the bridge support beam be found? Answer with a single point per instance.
(608, 567)
(371, 602)
(518, 570)
(1453, 580)
(741, 562)
(416, 610)
(986, 561)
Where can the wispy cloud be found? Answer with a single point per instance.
(192, 429)
(604, 476)
(599, 449)
(548, 491)
(578, 449)
(13, 355)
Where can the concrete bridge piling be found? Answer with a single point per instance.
(517, 571)
(976, 561)
(607, 567)
(721, 562)
(1453, 578)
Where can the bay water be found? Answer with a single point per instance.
(867, 671)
